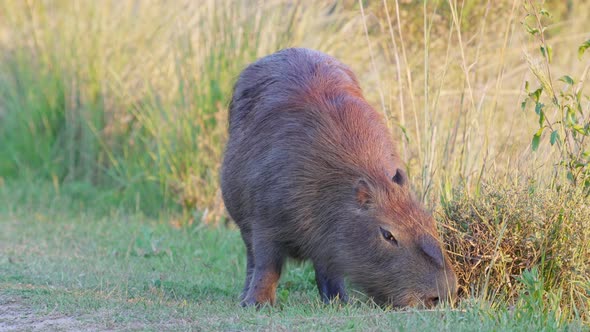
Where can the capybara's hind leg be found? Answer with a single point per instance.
(268, 262)
(330, 286)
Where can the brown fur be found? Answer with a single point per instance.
(311, 172)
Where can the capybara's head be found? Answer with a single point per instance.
(394, 252)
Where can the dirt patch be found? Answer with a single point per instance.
(15, 316)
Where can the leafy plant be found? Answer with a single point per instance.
(538, 300)
(561, 110)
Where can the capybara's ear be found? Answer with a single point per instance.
(400, 177)
(363, 194)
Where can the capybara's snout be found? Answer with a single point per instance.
(446, 290)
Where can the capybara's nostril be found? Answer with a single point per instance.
(432, 301)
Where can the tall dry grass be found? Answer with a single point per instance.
(134, 93)
(454, 79)
(130, 95)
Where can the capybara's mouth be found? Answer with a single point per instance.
(408, 301)
(394, 302)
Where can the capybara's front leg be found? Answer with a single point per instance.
(330, 285)
(249, 271)
(247, 237)
(268, 263)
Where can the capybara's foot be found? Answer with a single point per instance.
(330, 287)
(249, 302)
(264, 280)
(258, 300)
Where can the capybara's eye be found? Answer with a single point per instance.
(388, 236)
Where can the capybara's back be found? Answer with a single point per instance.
(310, 172)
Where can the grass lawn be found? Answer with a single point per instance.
(67, 264)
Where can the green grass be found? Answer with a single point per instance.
(61, 254)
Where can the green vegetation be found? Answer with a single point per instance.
(112, 270)
(499, 234)
(113, 121)
(569, 126)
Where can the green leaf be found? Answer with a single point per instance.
(570, 119)
(535, 142)
(532, 31)
(554, 137)
(548, 53)
(567, 80)
(579, 129)
(536, 139)
(583, 48)
(405, 132)
(539, 108)
(523, 105)
(526, 86)
(535, 95)
(541, 118)
(544, 12)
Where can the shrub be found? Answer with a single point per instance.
(507, 229)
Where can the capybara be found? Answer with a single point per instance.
(310, 171)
